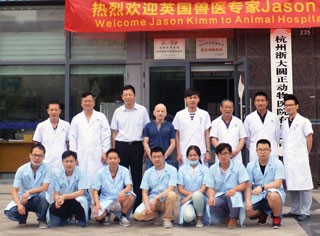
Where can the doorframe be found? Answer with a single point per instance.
(237, 63)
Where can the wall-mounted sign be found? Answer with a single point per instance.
(173, 48)
(212, 48)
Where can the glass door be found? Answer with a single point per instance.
(215, 83)
(167, 86)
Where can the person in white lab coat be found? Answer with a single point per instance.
(297, 144)
(90, 137)
(262, 124)
(53, 134)
(228, 129)
(192, 126)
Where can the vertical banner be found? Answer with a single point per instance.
(281, 68)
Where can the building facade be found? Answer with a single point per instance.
(40, 62)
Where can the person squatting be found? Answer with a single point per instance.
(225, 192)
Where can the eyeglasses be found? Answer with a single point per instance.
(289, 105)
(263, 149)
(224, 154)
(37, 155)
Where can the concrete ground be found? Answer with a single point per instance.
(289, 226)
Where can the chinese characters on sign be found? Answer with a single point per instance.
(169, 48)
(211, 48)
(153, 15)
(281, 69)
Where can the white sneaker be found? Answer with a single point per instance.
(124, 222)
(167, 224)
(106, 221)
(43, 225)
(199, 224)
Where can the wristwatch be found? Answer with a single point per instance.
(208, 151)
(262, 187)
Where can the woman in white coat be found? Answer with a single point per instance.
(192, 189)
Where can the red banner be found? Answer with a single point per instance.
(155, 15)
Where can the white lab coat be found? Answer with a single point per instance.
(90, 140)
(230, 135)
(192, 132)
(257, 130)
(54, 140)
(295, 153)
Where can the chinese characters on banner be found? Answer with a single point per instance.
(169, 48)
(211, 48)
(281, 69)
(155, 15)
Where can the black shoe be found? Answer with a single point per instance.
(290, 215)
(263, 219)
(303, 217)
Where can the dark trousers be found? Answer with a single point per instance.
(37, 204)
(131, 155)
(68, 209)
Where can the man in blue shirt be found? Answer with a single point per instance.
(158, 185)
(29, 189)
(159, 133)
(264, 193)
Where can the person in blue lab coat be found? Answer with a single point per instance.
(225, 183)
(158, 195)
(70, 194)
(29, 189)
(115, 183)
(265, 194)
(192, 188)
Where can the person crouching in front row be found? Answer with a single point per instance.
(158, 196)
(114, 197)
(70, 194)
(225, 183)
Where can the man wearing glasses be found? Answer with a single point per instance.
(264, 194)
(297, 144)
(29, 189)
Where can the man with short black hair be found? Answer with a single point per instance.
(262, 124)
(70, 194)
(90, 137)
(158, 185)
(264, 194)
(29, 189)
(127, 125)
(192, 126)
(297, 144)
(53, 134)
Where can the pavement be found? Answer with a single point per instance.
(289, 225)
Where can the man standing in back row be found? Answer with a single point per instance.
(297, 144)
(262, 124)
(90, 137)
(127, 124)
(192, 126)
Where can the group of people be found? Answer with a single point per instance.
(67, 160)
